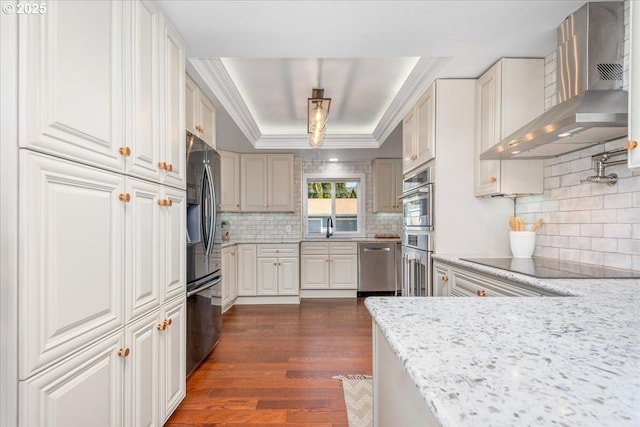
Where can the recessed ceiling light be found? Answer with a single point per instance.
(514, 152)
(564, 134)
(333, 159)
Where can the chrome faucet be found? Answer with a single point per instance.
(329, 227)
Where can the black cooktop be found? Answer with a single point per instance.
(547, 268)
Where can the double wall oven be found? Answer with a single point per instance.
(417, 238)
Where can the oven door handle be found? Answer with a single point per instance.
(423, 189)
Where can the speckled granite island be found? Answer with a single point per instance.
(529, 361)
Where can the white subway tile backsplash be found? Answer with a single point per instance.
(627, 185)
(604, 245)
(604, 216)
(636, 262)
(617, 260)
(618, 231)
(581, 164)
(592, 257)
(591, 230)
(622, 200)
(569, 230)
(629, 246)
(582, 190)
(549, 252)
(570, 204)
(560, 169)
(580, 242)
(570, 255)
(635, 231)
(552, 182)
(593, 202)
(636, 199)
(629, 216)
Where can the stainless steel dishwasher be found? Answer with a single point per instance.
(377, 270)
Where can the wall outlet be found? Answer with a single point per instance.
(288, 229)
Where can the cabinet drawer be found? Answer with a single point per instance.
(472, 283)
(314, 248)
(343, 248)
(269, 250)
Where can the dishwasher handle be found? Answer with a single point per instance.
(377, 249)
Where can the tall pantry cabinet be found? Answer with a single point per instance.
(101, 203)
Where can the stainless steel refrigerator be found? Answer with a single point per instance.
(204, 275)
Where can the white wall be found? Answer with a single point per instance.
(586, 222)
(273, 226)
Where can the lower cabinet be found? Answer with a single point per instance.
(229, 277)
(247, 280)
(135, 376)
(329, 265)
(450, 280)
(277, 269)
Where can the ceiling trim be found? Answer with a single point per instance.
(333, 141)
(423, 74)
(214, 74)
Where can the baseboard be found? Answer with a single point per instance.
(276, 299)
(328, 293)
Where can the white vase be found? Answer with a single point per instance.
(522, 243)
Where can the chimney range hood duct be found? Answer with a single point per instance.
(592, 107)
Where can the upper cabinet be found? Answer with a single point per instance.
(71, 112)
(418, 132)
(201, 114)
(634, 88)
(508, 95)
(130, 119)
(266, 183)
(387, 185)
(230, 181)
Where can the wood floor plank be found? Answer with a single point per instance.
(274, 366)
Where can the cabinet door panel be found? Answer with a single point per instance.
(441, 281)
(173, 342)
(280, 185)
(173, 151)
(143, 248)
(253, 186)
(83, 390)
(70, 98)
(71, 257)
(409, 149)
(426, 123)
(344, 272)
(634, 84)
(207, 120)
(288, 282)
(175, 256)
(144, 139)
(246, 270)
(230, 180)
(191, 94)
(314, 273)
(142, 368)
(384, 198)
(267, 276)
(488, 131)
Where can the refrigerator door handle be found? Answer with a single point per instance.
(208, 206)
(203, 287)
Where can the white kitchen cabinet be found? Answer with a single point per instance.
(329, 265)
(173, 154)
(418, 127)
(266, 183)
(173, 251)
(634, 87)
(142, 371)
(230, 181)
(173, 354)
(200, 113)
(277, 269)
(85, 389)
(246, 268)
(453, 280)
(229, 277)
(71, 257)
(387, 185)
(59, 113)
(508, 96)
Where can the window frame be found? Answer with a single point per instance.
(335, 176)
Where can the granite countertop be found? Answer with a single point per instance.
(570, 361)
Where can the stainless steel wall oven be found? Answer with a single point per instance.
(417, 239)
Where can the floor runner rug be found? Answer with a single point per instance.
(358, 397)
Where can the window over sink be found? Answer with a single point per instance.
(336, 196)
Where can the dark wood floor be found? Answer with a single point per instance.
(274, 366)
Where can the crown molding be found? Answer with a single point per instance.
(423, 74)
(215, 75)
(301, 142)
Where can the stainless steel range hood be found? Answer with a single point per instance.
(592, 107)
